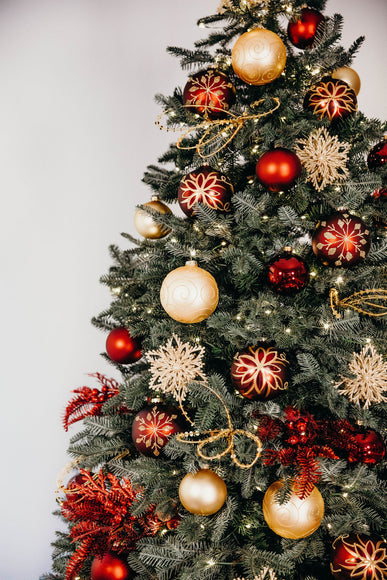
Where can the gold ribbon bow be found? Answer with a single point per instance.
(372, 302)
(218, 128)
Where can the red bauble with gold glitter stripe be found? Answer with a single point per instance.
(152, 428)
(207, 186)
(341, 240)
(209, 93)
(259, 372)
(331, 98)
(359, 556)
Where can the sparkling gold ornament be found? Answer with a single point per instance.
(348, 75)
(189, 294)
(295, 519)
(258, 56)
(146, 225)
(202, 493)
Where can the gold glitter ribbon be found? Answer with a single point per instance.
(227, 128)
(372, 302)
(218, 434)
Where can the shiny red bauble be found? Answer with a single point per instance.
(153, 427)
(73, 484)
(209, 93)
(359, 556)
(331, 98)
(288, 273)
(302, 31)
(378, 155)
(123, 348)
(260, 372)
(366, 447)
(205, 186)
(278, 169)
(110, 567)
(341, 240)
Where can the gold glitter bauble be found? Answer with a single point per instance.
(348, 75)
(189, 294)
(202, 493)
(258, 56)
(295, 519)
(146, 225)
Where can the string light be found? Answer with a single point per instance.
(248, 526)
(211, 562)
(265, 217)
(340, 280)
(288, 330)
(345, 494)
(313, 274)
(326, 325)
(267, 311)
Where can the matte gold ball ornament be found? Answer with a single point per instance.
(146, 225)
(348, 75)
(295, 519)
(258, 56)
(189, 294)
(202, 493)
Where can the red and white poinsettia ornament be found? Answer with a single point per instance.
(153, 427)
(207, 186)
(359, 556)
(209, 93)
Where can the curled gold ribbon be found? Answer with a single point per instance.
(217, 434)
(228, 128)
(372, 302)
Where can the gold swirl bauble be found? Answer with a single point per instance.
(258, 56)
(189, 294)
(295, 519)
(146, 225)
(348, 75)
(202, 493)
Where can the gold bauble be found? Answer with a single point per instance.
(295, 519)
(202, 493)
(348, 75)
(258, 56)
(189, 294)
(146, 225)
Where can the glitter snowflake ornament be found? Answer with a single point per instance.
(324, 158)
(368, 382)
(174, 365)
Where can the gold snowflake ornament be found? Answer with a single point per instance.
(369, 381)
(324, 158)
(174, 365)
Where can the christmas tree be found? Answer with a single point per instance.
(245, 438)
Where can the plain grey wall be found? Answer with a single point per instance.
(77, 81)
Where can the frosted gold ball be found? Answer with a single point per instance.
(258, 56)
(202, 493)
(146, 225)
(348, 75)
(189, 294)
(295, 519)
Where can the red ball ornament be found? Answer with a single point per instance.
(378, 155)
(341, 240)
(278, 169)
(359, 556)
(153, 427)
(209, 93)
(121, 347)
(331, 98)
(207, 186)
(288, 273)
(302, 31)
(366, 447)
(259, 372)
(73, 484)
(110, 567)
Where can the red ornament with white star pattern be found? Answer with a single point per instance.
(259, 372)
(341, 240)
(153, 427)
(207, 186)
(359, 556)
(209, 93)
(331, 98)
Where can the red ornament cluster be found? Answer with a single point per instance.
(302, 30)
(359, 556)
(153, 427)
(278, 169)
(209, 93)
(207, 186)
(288, 273)
(123, 348)
(331, 98)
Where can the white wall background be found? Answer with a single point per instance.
(77, 81)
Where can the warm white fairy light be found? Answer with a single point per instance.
(248, 526)
(211, 562)
(265, 217)
(116, 290)
(288, 330)
(173, 240)
(149, 311)
(192, 253)
(313, 274)
(368, 340)
(339, 280)
(267, 311)
(326, 325)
